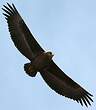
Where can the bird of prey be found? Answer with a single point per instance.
(41, 61)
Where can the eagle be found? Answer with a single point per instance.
(41, 61)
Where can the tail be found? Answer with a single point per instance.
(30, 70)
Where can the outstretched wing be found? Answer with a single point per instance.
(64, 85)
(20, 34)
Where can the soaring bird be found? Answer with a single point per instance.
(41, 61)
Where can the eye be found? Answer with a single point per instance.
(50, 53)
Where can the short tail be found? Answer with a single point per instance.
(30, 70)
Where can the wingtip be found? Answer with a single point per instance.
(5, 15)
(13, 4)
(4, 6)
(89, 94)
(14, 7)
(89, 97)
(8, 4)
(85, 100)
(9, 10)
(81, 102)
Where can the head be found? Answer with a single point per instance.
(49, 54)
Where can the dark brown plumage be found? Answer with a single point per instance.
(41, 61)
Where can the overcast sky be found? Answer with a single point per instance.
(65, 27)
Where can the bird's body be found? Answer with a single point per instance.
(41, 61)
